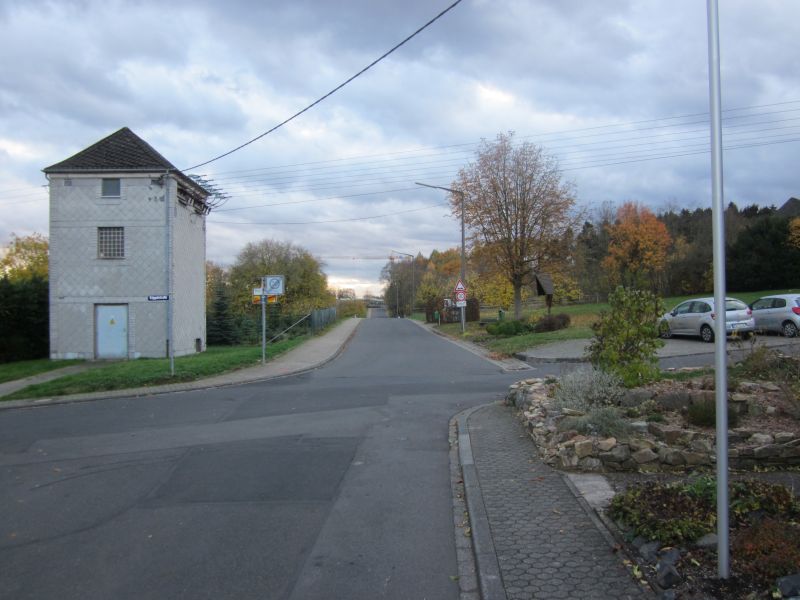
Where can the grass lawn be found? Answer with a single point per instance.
(25, 368)
(155, 371)
(581, 318)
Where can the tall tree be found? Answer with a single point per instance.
(516, 206)
(26, 257)
(306, 284)
(637, 247)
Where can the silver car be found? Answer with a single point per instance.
(696, 317)
(780, 312)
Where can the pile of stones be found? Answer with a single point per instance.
(650, 446)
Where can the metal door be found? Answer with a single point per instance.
(111, 327)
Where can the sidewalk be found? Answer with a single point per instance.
(310, 355)
(545, 544)
(575, 350)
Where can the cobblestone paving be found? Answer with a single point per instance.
(547, 546)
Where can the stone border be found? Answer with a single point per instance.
(651, 447)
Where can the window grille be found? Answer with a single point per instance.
(110, 242)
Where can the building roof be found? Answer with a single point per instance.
(790, 208)
(122, 151)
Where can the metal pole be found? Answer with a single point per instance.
(463, 264)
(718, 228)
(170, 333)
(263, 322)
(463, 251)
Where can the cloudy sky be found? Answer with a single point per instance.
(617, 90)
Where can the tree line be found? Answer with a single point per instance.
(522, 219)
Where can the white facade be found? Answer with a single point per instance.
(87, 280)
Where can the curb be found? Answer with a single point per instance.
(486, 565)
(479, 351)
(159, 390)
(535, 360)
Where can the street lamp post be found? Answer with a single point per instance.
(463, 251)
(413, 286)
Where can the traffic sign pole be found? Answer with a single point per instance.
(263, 322)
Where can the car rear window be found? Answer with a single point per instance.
(735, 305)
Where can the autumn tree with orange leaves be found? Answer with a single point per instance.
(637, 248)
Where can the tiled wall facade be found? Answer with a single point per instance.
(79, 279)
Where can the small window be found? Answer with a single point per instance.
(110, 242)
(779, 303)
(111, 188)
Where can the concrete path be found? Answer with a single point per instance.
(575, 350)
(545, 543)
(9, 387)
(309, 355)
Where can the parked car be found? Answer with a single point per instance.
(780, 312)
(696, 317)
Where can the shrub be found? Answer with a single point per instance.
(583, 389)
(552, 323)
(506, 328)
(682, 512)
(602, 421)
(704, 414)
(767, 550)
(626, 336)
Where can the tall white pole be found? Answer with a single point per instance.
(170, 327)
(718, 228)
(463, 264)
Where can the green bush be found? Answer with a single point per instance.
(506, 328)
(24, 319)
(626, 336)
(551, 323)
(704, 414)
(583, 389)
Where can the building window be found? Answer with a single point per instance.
(110, 242)
(111, 188)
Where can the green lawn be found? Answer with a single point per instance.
(155, 371)
(581, 315)
(25, 368)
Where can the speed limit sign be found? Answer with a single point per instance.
(461, 296)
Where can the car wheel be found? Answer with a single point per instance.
(789, 329)
(664, 331)
(706, 334)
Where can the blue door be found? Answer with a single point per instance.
(111, 325)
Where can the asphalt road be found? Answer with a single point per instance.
(333, 484)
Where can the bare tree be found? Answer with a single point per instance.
(518, 208)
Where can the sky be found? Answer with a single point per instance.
(616, 90)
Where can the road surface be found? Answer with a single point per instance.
(332, 484)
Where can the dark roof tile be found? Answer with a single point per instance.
(123, 150)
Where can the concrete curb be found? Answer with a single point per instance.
(487, 568)
(507, 366)
(201, 384)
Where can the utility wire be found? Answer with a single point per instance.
(391, 214)
(334, 90)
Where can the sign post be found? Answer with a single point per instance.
(460, 292)
(272, 286)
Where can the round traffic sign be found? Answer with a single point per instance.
(461, 296)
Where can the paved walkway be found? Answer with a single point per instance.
(546, 544)
(575, 350)
(305, 357)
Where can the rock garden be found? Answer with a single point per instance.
(656, 443)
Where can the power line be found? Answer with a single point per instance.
(391, 214)
(334, 90)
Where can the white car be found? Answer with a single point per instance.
(780, 312)
(696, 317)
